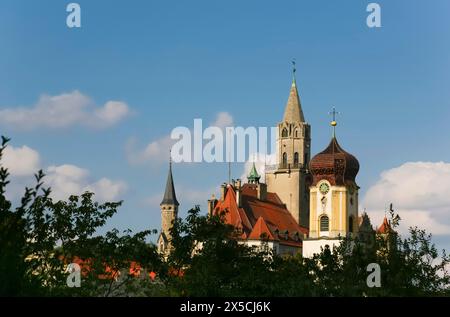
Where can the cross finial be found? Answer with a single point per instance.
(334, 123)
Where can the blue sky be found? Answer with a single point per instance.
(171, 62)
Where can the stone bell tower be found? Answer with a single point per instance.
(288, 177)
(169, 212)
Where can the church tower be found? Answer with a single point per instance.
(333, 197)
(288, 177)
(169, 212)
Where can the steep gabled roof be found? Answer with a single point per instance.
(385, 227)
(261, 231)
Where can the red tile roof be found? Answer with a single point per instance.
(261, 231)
(385, 227)
(256, 217)
(85, 265)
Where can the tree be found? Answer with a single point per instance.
(409, 266)
(207, 260)
(40, 237)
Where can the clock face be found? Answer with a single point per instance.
(324, 188)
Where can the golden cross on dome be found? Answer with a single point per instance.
(334, 123)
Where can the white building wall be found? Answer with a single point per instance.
(311, 247)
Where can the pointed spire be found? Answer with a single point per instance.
(253, 177)
(385, 227)
(293, 111)
(170, 197)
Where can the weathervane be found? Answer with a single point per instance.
(293, 69)
(334, 123)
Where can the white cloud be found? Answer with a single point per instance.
(261, 160)
(106, 189)
(157, 152)
(223, 120)
(65, 180)
(419, 192)
(111, 113)
(21, 161)
(64, 110)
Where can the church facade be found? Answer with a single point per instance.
(304, 204)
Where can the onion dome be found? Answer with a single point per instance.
(334, 165)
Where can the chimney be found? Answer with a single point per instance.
(261, 191)
(238, 193)
(223, 191)
(211, 204)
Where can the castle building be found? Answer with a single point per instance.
(305, 203)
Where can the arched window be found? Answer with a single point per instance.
(284, 160)
(284, 133)
(350, 224)
(296, 159)
(324, 223)
(296, 133)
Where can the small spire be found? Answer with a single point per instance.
(253, 177)
(293, 110)
(333, 123)
(170, 198)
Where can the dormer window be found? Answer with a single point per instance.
(277, 232)
(284, 133)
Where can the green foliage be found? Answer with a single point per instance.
(40, 237)
(213, 263)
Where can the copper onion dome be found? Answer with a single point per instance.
(334, 165)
